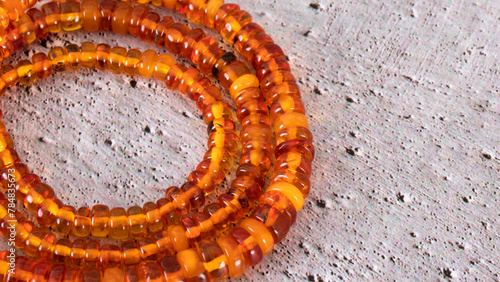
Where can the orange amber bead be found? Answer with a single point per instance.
(9, 75)
(162, 29)
(119, 223)
(88, 55)
(162, 66)
(137, 221)
(191, 264)
(175, 37)
(121, 18)
(41, 26)
(41, 65)
(174, 76)
(26, 72)
(299, 180)
(265, 53)
(210, 12)
(52, 16)
(233, 23)
(110, 256)
(138, 13)
(232, 72)
(222, 13)
(58, 57)
(190, 40)
(91, 15)
(274, 221)
(71, 15)
(147, 63)
(149, 271)
(272, 65)
(107, 7)
(253, 43)
(83, 223)
(188, 78)
(245, 33)
(178, 237)
(27, 28)
(65, 220)
(100, 221)
(48, 211)
(148, 27)
(201, 48)
(131, 62)
(215, 261)
(247, 245)
(172, 271)
(153, 216)
(117, 59)
(209, 58)
(102, 56)
(179, 198)
(74, 55)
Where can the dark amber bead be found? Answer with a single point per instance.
(62, 250)
(192, 230)
(164, 244)
(197, 87)
(248, 184)
(209, 58)
(274, 220)
(148, 27)
(77, 255)
(9, 75)
(57, 273)
(107, 7)
(92, 254)
(215, 260)
(130, 273)
(299, 180)
(190, 40)
(248, 246)
(138, 13)
(41, 26)
(252, 171)
(71, 15)
(281, 203)
(219, 216)
(194, 194)
(179, 198)
(74, 55)
(52, 16)
(175, 37)
(223, 62)
(42, 271)
(303, 147)
(91, 274)
(73, 274)
(295, 162)
(102, 56)
(253, 43)
(148, 248)
(162, 29)
(171, 269)
(174, 76)
(205, 225)
(149, 271)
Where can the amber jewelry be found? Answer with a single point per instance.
(294, 151)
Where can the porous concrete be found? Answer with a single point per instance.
(403, 101)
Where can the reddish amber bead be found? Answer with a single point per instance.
(219, 216)
(272, 65)
(110, 256)
(194, 194)
(121, 18)
(100, 221)
(23, 270)
(102, 56)
(162, 29)
(107, 7)
(232, 206)
(265, 53)
(248, 184)
(253, 43)
(91, 274)
(275, 78)
(281, 203)
(248, 246)
(274, 220)
(235, 258)
(46, 248)
(256, 144)
(205, 225)
(130, 253)
(148, 27)
(62, 250)
(196, 87)
(174, 76)
(196, 11)
(77, 255)
(188, 78)
(47, 211)
(117, 59)
(9, 75)
(192, 230)
(149, 271)
(57, 273)
(41, 26)
(164, 244)
(302, 147)
(299, 180)
(171, 269)
(27, 28)
(92, 254)
(74, 56)
(175, 37)
(213, 169)
(138, 13)
(245, 33)
(293, 133)
(147, 63)
(41, 65)
(209, 58)
(179, 198)
(73, 274)
(148, 248)
(280, 90)
(201, 48)
(83, 222)
(190, 40)
(294, 162)
(91, 15)
(258, 158)
(252, 107)
(220, 123)
(210, 12)
(42, 271)
(223, 62)
(215, 260)
(210, 95)
(202, 180)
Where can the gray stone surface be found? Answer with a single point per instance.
(403, 100)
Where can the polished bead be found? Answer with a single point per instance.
(197, 87)
(190, 263)
(117, 59)
(41, 271)
(131, 62)
(147, 63)
(202, 180)
(162, 67)
(280, 90)
(102, 56)
(188, 78)
(209, 58)
(83, 223)
(138, 13)
(214, 260)
(222, 13)
(52, 16)
(58, 57)
(247, 245)
(71, 15)
(26, 72)
(57, 273)
(148, 27)
(172, 271)
(245, 33)
(178, 237)
(228, 75)
(235, 258)
(272, 65)
(110, 256)
(210, 95)
(273, 220)
(65, 220)
(294, 161)
(62, 251)
(41, 65)
(202, 47)
(162, 29)
(233, 23)
(179, 198)
(299, 146)
(190, 40)
(153, 216)
(93, 253)
(41, 26)
(175, 37)
(149, 271)
(119, 223)
(113, 274)
(74, 55)
(194, 194)
(164, 244)
(174, 76)
(137, 221)
(88, 55)
(121, 18)
(48, 211)
(91, 15)
(281, 202)
(148, 248)
(9, 75)
(253, 43)
(219, 216)
(27, 28)
(107, 7)
(100, 221)
(77, 254)
(290, 119)
(299, 180)
(210, 11)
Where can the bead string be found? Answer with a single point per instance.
(285, 124)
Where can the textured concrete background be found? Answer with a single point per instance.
(403, 101)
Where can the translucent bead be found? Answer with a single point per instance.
(57, 273)
(190, 40)
(41, 65)
(14, 9)
(164, 244)
(46, 248)
(222, 13)
(26, 72)
(223, 62)
(93, 274)
(58, 57)
(71, 15)
(178, 237)
(175, 37)
(202, 47)
(210, 12)
(153, 216)
(209, 58)
(77, 254)
(171, 269)
(110, 256)
(48, 211)
(119, 223)
(88, 55)
(191, 264)
(227, 139)
(147, 63)
(137, 221)
(258, 158)
(215, 261)
(9, 75)
(65, 220)
(218, 216)
(148, 27)
(148, 248)
(121, 18)
(38, 18)
(149, 271)
(198, 87)
(281, 202)
(290, 119)
(202, 180)
(131, 62)
(253, 43)
(162, 29)
(174, 76)
(162, 66)
(27, 28)
(100, 221)
(231, 73)
(52, 16)
(233, 24)
(299, 180)
(217, 110)
(36, 195)
(73, 274)
(295, 162)
(252, 107)
(130, 253)
(93, 253)
(213, 169)
(102, 56)
(188, 78)
(62, 250)
(82, 222)
(194, 194)
(245, 33)
(179, 198)
(210, 95)
(272, 65)
(195, 11)
(247, 245)
(91, 15)
(74, 55)
(107, 7)
(117, 59)
(41, 271)
(273, 220)
(138, 13)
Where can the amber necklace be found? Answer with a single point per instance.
(178, 238)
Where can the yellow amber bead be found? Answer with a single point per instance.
(243, 82)
(290, 191)
(190, 262)
(177, 235)
(211, 11)
(260, 233)
(290, 119)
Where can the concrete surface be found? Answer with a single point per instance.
(403, 99)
